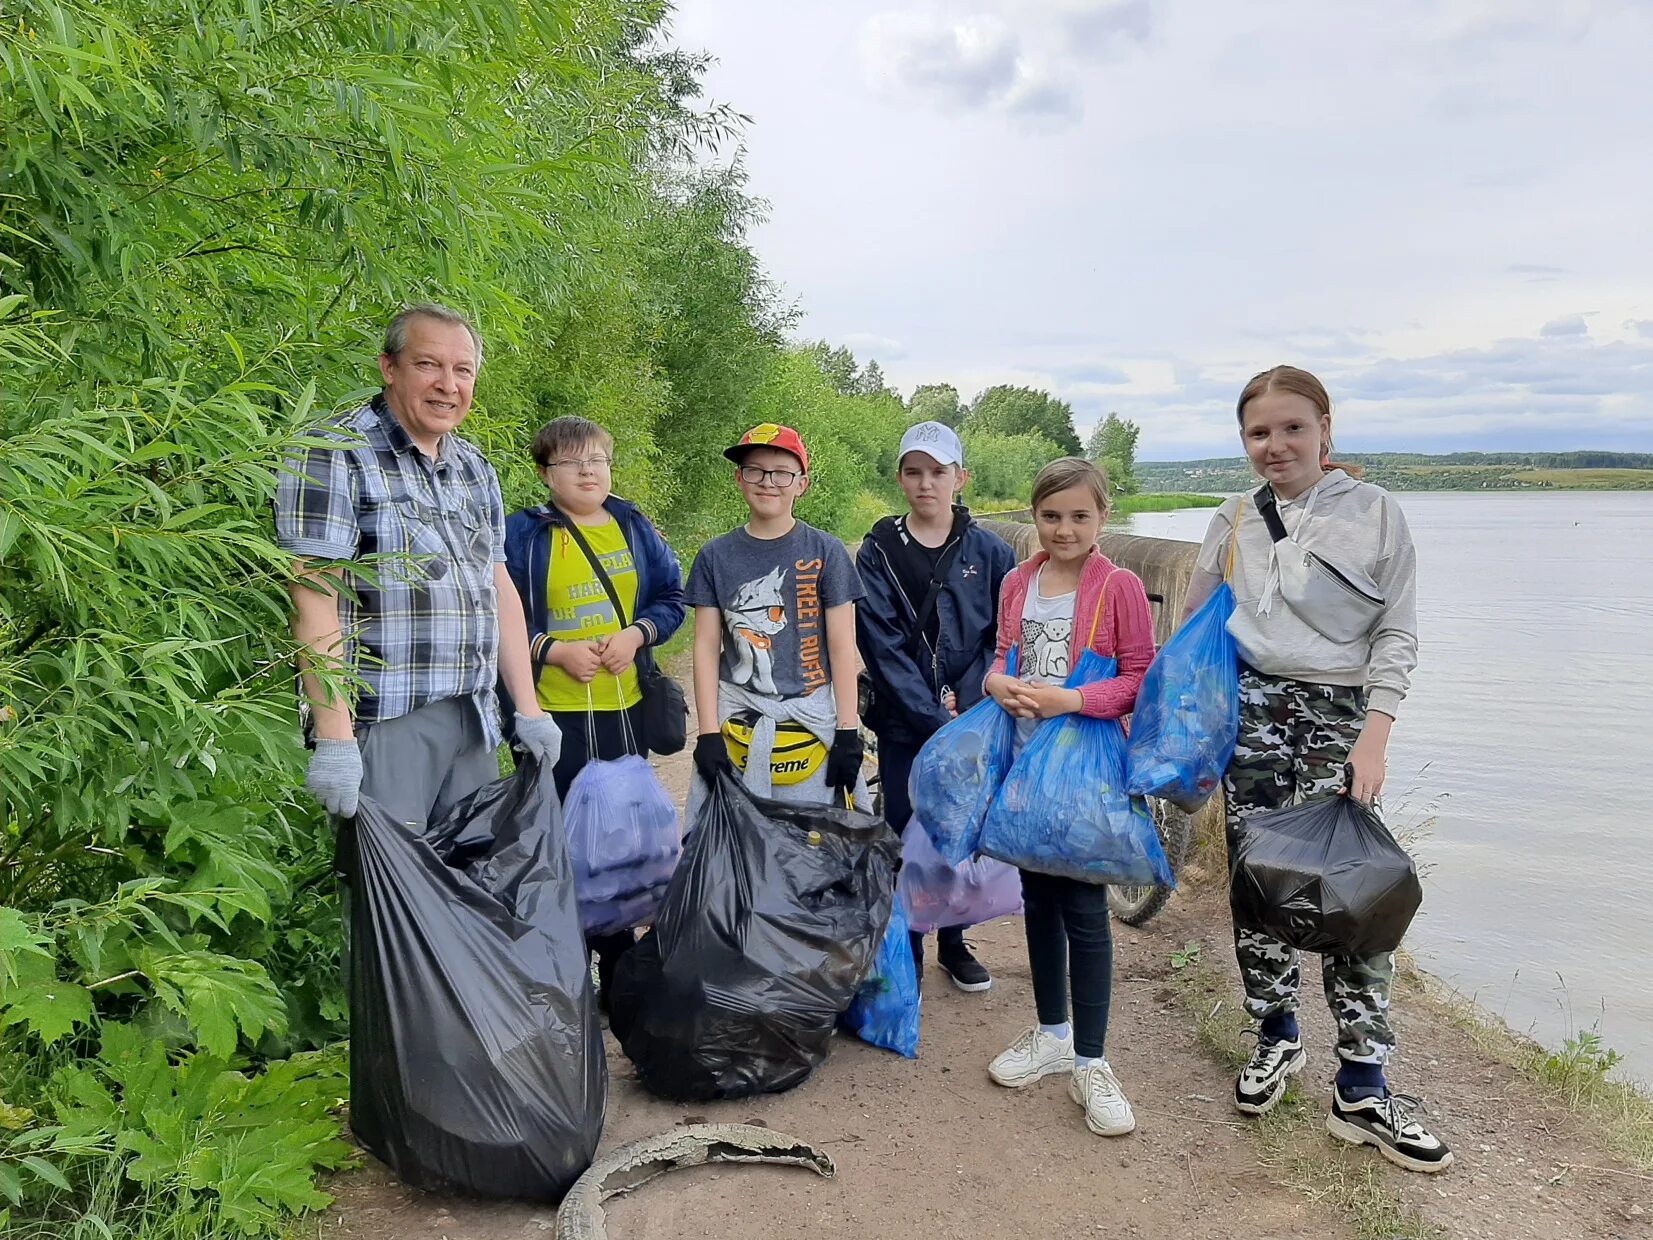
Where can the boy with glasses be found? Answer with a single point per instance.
(774, 640)
(584, 654)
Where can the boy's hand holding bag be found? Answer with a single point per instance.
(958, 772)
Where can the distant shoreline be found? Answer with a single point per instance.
(1225, 477)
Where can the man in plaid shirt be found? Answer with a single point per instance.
(429, 619)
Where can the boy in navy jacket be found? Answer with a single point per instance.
(584, 655)
(926, 664)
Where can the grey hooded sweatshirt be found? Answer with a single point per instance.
(1351, 524)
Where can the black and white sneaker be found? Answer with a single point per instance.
(1388, 1124)
(967, 973)
(1262, 1082)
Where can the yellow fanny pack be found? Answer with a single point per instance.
(797, 753)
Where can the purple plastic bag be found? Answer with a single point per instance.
(624, 841)
(935, 894)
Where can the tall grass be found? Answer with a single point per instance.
(1125, 505)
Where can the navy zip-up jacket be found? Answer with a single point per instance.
(908, 675)
(660, 608)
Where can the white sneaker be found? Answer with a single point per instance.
(1097, 1089)
(1033, 1055)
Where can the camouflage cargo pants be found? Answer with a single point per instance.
(1294, 739)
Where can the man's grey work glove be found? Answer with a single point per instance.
(541, 737)
(335, 776)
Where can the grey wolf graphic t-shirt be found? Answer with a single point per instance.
(774, 595)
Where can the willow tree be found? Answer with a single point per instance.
(207, 208)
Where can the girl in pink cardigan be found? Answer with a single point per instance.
(1055, 605)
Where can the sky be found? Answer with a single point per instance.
(1444, 209)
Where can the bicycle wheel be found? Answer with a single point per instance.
(1135, 905)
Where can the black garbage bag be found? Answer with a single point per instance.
(767, 929)
(1324, 876)
(476, 1061)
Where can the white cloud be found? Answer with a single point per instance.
(1108, 29)
(868, 346)
(975, 63)
(1571, 325)
(1055, 192)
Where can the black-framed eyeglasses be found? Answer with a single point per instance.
(754, 476)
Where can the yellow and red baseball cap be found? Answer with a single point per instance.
(770, 435)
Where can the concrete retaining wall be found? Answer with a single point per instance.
(1163, 564)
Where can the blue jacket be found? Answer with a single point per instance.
(660, 609)
(908, 677)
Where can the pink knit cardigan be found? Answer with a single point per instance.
(1119, 618)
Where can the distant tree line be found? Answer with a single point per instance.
(1408, 471)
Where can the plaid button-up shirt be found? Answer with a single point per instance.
(424, 624)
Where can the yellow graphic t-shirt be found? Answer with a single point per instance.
(578, 609)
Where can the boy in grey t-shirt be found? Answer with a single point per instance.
(774, 630)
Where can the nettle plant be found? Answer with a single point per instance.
(208, 208)
(149, 847)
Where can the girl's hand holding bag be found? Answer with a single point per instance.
(1063, 808)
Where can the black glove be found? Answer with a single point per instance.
(711, 757)
(843, 764)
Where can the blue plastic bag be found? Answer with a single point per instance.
(1187, 715)
(957, 773)
(934, 894)
(884, 1011)
(624, 841)
(1063, 808)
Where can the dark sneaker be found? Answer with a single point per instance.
(1262, 1082)
(1388, 1124)
(967, 972)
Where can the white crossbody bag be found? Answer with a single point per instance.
(1339, 604)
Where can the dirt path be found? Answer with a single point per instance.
(932, 1149)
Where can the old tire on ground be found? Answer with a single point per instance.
(622, 1170)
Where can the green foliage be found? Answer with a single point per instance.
(1113, 445)
(838, 365)
(1002, 467)
(936, 402)
(1008, 410)
(1125, 505)
(1583, 1060)
(1414, 471)
(852, 442)
(139, 1137)
(207, 211)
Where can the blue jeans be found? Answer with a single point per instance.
(1069, 936)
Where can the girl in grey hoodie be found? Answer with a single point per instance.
(1309, 707)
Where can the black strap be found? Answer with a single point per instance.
(645, 660)
(1270, 512)
(927, 608)
(597, 567)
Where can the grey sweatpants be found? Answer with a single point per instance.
(417, 766)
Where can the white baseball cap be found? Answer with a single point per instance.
(935, 439)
